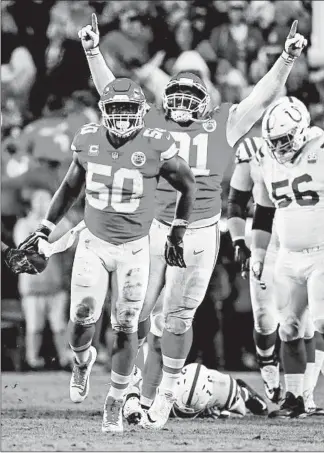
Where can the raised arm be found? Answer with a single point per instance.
(100, 72)
(63, 199)
(247, 112)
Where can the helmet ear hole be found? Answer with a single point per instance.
(194, 389)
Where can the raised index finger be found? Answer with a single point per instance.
(293, 29)
(94, 23)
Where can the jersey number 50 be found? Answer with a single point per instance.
(102, 189)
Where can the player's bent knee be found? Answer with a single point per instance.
(126, 319)
(264, 322)
(177, 325)
(319, 325)
(84, 312)
(290, 331)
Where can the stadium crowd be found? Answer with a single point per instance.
(47, 95)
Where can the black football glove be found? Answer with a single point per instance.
(25, 261)
(31, 241)
(242, 256)
(173, 251)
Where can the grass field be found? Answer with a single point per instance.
(37, 415)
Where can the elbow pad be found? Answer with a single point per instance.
(237, 203)
(263, 218)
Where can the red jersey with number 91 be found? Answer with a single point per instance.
(121, 182)
(204, 147)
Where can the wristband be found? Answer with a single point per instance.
(179, 223)
(287, 58)
(92, 52)
(48, 224)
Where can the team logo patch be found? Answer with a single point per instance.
(114, 155)
(209, 125)
(312, 158)
(138, 159)
(93, 150)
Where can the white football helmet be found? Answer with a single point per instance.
(194, 390)
(284, 128)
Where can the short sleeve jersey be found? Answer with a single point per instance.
(121, 182)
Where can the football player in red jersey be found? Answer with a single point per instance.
(120, 163)
(205, 141)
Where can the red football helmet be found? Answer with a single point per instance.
(185, 97)
(122, 105)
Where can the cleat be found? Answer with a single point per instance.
(159, 412)
(80, 379)
(112, 421)
(270, 373)
(291, 407)
(132, 410)
(255, 403)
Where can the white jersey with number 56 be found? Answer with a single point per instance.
(297, 191)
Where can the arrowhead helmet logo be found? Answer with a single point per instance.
(209, 125)
(138, 159)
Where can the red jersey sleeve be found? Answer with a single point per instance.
(81, 138)
(162, 142)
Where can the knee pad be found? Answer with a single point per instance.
(290, 330)
(126, 317)
(319, 325)
(84, 312)
(176, 324)
(157, 324)
(264, 322)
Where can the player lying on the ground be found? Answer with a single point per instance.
(244, 182)
(205, 140)
(291, 162)
(119, 162)
(201, 392)
(23, 261)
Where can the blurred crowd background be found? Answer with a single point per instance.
(47, 94)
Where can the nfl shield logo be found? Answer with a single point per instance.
(93, 150)
(209, 125)
(312, 158)
(138, 159)
(115, 155)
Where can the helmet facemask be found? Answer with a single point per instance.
(122, 118)
(285, 129)
(185, 102)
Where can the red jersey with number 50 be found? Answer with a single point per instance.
(121, 182)
(204, 147)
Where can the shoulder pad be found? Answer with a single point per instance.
(162, 142)
(248, 149)
(80, 138)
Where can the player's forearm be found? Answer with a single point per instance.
(62, 201)
(186, 202)
(236, 212)
(100, 72)
(248, 111)
(262, 229)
